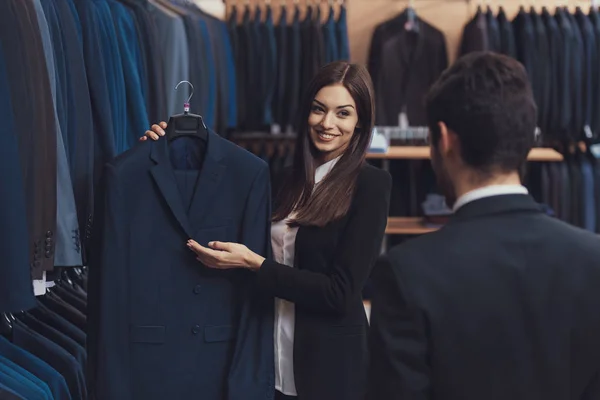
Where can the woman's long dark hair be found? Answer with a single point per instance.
(332, 198)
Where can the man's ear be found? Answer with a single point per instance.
(448, 142)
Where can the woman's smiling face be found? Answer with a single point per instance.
(332, 121)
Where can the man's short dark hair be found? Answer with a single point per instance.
(486, 99)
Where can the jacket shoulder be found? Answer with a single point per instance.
(372, 178)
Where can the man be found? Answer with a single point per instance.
(502, 303)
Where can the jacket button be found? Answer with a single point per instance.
(197, 289)
(196, 329)
(49, 234)
(48, 254)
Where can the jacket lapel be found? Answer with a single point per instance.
(164, 177)
(207, 187)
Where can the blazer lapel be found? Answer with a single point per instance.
(164, 177)
(207, 187)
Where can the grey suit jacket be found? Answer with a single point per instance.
(67, 251)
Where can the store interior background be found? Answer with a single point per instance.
(449, 16)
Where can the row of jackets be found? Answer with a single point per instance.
(406, 56)
(80, 81)
(569, 189)
(43, 350)
(275, 61)
(561, 53)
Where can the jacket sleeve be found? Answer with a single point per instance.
(358, 248)
(397, 341)
(251, 375)
(108, 333)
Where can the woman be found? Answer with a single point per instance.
(329, 219)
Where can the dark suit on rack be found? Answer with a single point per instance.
(55, 381)
(282, 84)
(341, 32)
(196, 331)
(331, 266)
(294, 57)
(543, 68)
(564, 63)
(410, 63)
(34, 125)
(15, 276)
(81, 139)
(67, 249)
(556, 62)
(507, 36)
(577, 77)
(474, 36)
(472, 313)
(493, 31)
(588, 61)
(595, 19)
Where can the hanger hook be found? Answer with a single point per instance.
(189, 98)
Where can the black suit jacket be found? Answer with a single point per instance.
(331, 267)
(410, 63)
(499, 304)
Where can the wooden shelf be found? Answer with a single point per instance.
(407, 226)
(422, 153)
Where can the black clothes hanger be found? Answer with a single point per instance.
(186, 124)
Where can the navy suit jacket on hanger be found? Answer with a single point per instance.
(161, 324)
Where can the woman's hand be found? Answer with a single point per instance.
(155, 132)
(220, 255)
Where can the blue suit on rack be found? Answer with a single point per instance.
(161, 324)
(16, 292)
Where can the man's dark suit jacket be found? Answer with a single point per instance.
(501, 303)
(162, 325)
(331, 267)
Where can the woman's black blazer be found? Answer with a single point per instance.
(331, 267)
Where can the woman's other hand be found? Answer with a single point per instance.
(220, 255)
(155, 132)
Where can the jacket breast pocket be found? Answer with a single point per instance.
(223, 333)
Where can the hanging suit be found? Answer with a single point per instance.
(15, 277)
(341, 31)
(35, 126)
(330, 39)
(68, 251)
(281, 84)
(86, 144)
(543, 68)
(410, 63)
(293, 63)
(195, 331)
(474, 36)
(134, 105)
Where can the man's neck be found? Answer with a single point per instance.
(469, 184)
